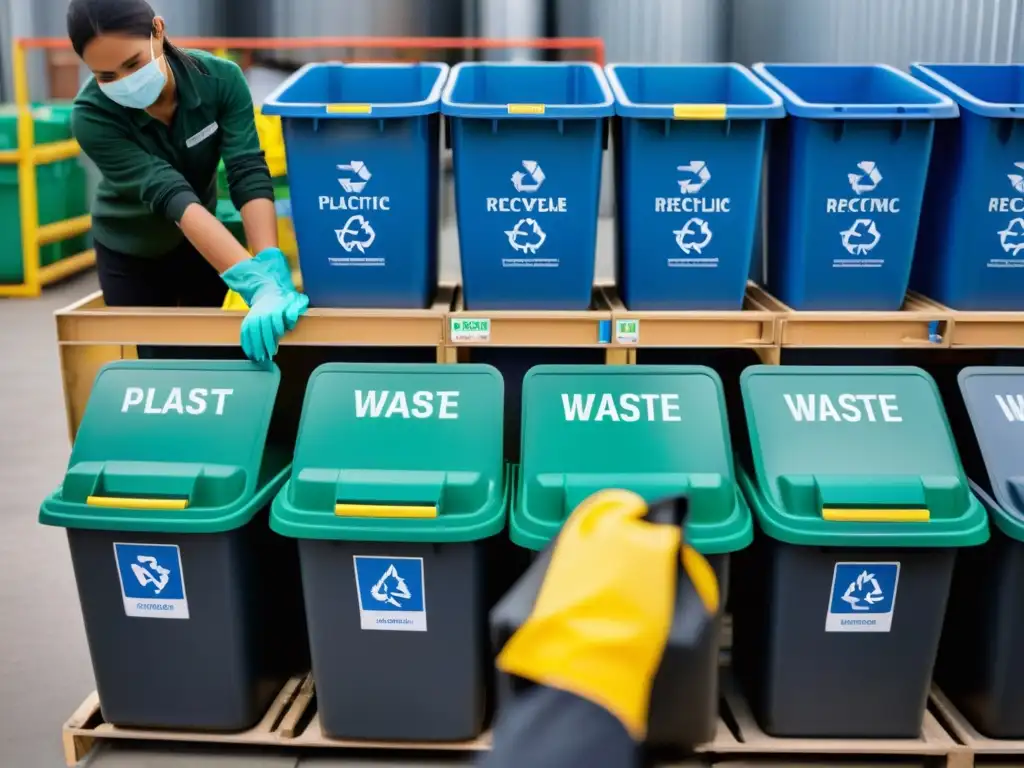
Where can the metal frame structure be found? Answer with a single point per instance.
(28, 156)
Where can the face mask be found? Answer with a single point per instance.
(140, 89)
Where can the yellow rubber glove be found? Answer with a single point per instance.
(602, 617)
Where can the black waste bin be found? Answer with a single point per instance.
(192, 607)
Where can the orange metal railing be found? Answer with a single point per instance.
(28, 155)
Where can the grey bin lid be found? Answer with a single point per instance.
(995, 403)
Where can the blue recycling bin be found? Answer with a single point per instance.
(689, 146)
(846, 177)
(362, 144)
(526, 147)
(970, 251)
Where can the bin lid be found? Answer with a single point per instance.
(990, 90)
(854, 92)
(691, 92)
(855, 456)
(393, 452)
(527, 90)
(656, 430)
(358, 91)
(172, 446)
(995, 404)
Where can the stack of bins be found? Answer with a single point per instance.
(846, 178)
(192, 606)
(862, 503)
(526, 148)
(398, 480)
(362, 145)
(970, 254)
(659, 431)
(689, 146)
(980, 667)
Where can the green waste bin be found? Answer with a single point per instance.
(659, 431)
(192, 606)
(980, 667)
(61, 189)
(398, 479)
(862, 502)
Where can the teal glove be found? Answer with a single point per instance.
(265, 283)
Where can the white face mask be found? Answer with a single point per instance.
(141, 88)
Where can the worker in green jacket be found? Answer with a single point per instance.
(156, 120)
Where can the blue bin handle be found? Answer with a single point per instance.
(887, 111)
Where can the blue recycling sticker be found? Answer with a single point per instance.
(863, 597)
(391, 591)
(152, 580)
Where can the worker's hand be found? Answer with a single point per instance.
(603, 614)
(265, 283)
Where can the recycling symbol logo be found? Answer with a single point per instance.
(1016, 179)
(868, 178)
(864, 592)
(526, 236)
(356, 235)
(1012, 238)
(391, 588)
(358, 169)
(861, 238)
(529, 181)
(693, 237)
(698, 175)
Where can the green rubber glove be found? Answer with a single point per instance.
(265, 283)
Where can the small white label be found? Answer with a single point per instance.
(392, 596)
(470, 330)
(203, 135)
(152, 580)
(627, 331)
(863, 597)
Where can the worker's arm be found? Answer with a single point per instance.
(252, 190)
(135, 174)
(549, 728)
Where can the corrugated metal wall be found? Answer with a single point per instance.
(504, 19)
(650, 30)
(896, 32)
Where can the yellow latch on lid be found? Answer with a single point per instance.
(698, 111)
(849, 515)
(115, 502)
(349, 109)
(526, 109)
(386, 511)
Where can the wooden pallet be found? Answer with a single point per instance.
(745, 739)
(292, 721)
(978, 744)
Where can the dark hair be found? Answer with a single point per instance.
(88, 19)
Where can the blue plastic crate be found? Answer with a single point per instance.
(689, 146)
(846, 179)
(526, 148)
(362, 143)
(970, 251)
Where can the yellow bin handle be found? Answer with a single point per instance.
(115, 502)
(394, 511)
(848, 515)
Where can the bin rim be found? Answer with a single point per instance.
(273, 105)
(626, 107)
(1010, 523)
(60, 514)
(730, 534)
(944, 107)
(604, 108)
(964, 98)
(287, 520)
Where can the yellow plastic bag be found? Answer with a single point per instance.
(268, 127)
